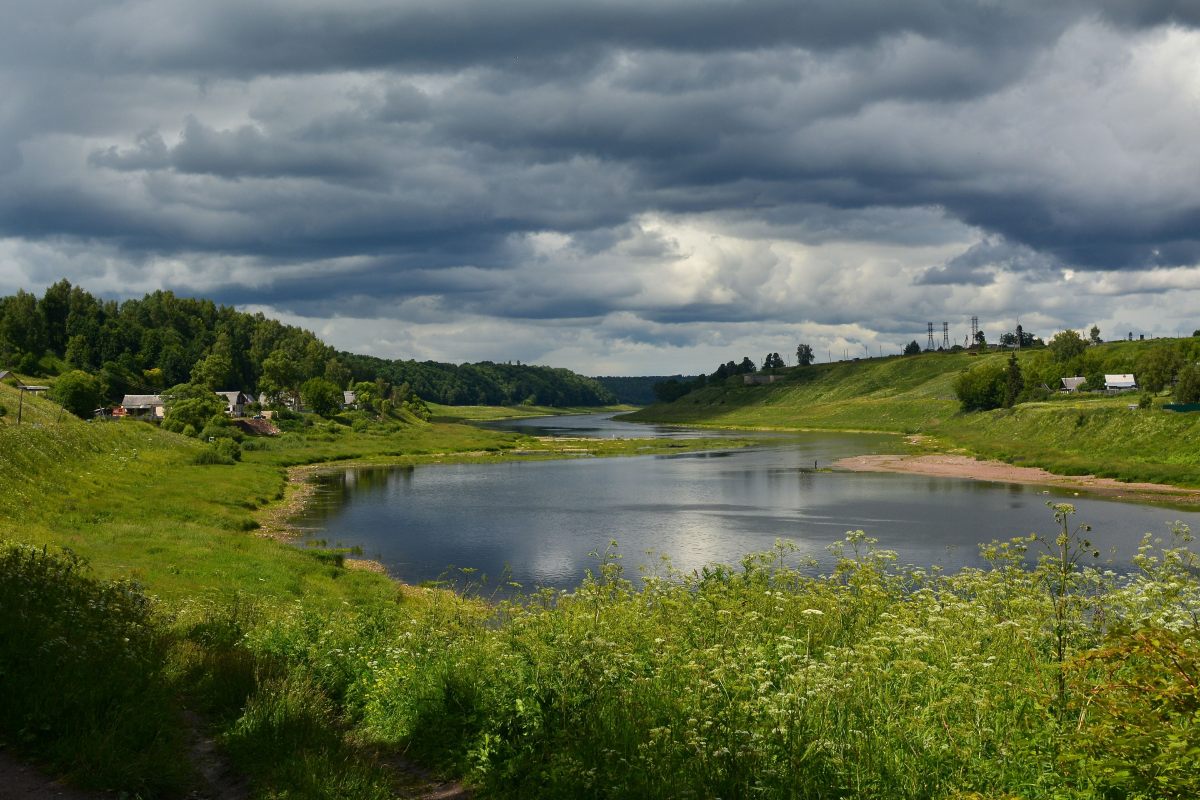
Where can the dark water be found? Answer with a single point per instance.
(541, 519)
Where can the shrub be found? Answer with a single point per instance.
(983, 387)
(3, 409)
(83, 684)
(222, 451)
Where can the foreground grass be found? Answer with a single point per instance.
(1046, 680)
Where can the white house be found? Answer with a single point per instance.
(349, 400)
(1119, 383)
(235, 403)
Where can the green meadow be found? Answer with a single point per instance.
(141, 604)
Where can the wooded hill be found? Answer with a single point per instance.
(162, 340)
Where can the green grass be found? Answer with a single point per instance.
(889, 394)
(443, 413)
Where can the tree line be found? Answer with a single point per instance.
(161, 341)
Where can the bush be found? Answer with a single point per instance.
(222, 451)
(83, 681)
(981, 388)
(3, 409)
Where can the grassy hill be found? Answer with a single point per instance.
(879, 394)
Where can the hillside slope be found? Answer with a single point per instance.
(890, 394)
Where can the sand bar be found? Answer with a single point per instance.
(946, 465)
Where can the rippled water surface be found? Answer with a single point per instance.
(541, 519)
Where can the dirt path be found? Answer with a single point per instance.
(954, 466)
(20, 780)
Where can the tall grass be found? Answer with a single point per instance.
(760, 681)
(82, 675)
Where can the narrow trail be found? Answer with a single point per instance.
(218, 781)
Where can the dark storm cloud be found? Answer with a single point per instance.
(386, 151)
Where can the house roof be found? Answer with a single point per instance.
(235, 398)
(348, 398)
(141, 401)
(1073, 383)
(1119, 380)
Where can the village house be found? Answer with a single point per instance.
(235, 403)
(141, 406)
(1072, 385)
(349, 401)
(1119, 383)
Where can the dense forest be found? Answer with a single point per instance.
(484, 383)
(161, 340)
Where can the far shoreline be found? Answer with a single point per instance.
(946, 465)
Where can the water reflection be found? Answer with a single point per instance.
(543, 518)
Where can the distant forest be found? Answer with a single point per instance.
(161, 340)
(637, 391)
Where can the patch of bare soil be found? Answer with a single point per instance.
(955, 466)
(274, 519)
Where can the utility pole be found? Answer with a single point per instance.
(20, 403)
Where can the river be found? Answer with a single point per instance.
(538, 522)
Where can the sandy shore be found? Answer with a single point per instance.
(955, 466)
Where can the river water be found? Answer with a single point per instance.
(539, 522)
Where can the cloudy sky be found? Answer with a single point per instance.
(616, 186)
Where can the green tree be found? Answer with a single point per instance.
(1014, 383)
(77, 392)
(321, 396)
(1094, 335)
(804, 355)
(216, 369)
(280, 373)
(190, 405)
(337, 372)
(1156, 368)
(912, 348)
(1066, 345)
(1187, 385)
(983, 387)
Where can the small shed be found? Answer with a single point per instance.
(1071, 385)
(1119, 383)
(141, 406)
(6, 374)
(349, 400)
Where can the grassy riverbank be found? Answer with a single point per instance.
(1051, 682)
